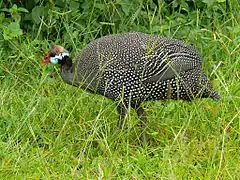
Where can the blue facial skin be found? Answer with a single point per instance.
(54, 60)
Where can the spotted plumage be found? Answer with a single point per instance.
(137, 67)
(141, 67)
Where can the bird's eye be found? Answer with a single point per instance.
(52, 54)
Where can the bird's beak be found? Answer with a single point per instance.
(54, 50)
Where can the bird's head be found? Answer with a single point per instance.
(56, 55)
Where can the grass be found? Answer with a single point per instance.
(50, 130)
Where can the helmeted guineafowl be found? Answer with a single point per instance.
(136, 67)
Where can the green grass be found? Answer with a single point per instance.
(50, 130)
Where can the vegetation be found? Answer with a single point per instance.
(51, 130)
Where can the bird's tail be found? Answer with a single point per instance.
(208, 90)
(214, 95)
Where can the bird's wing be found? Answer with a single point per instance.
(152, 57)
(167, 60)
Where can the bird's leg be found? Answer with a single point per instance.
(142, 115)
(122, 111)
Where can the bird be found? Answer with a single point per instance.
(131, 68)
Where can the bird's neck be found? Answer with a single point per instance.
(72, 74)
(66, 64)
(67, 70)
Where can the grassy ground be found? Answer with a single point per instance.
(51, 130)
